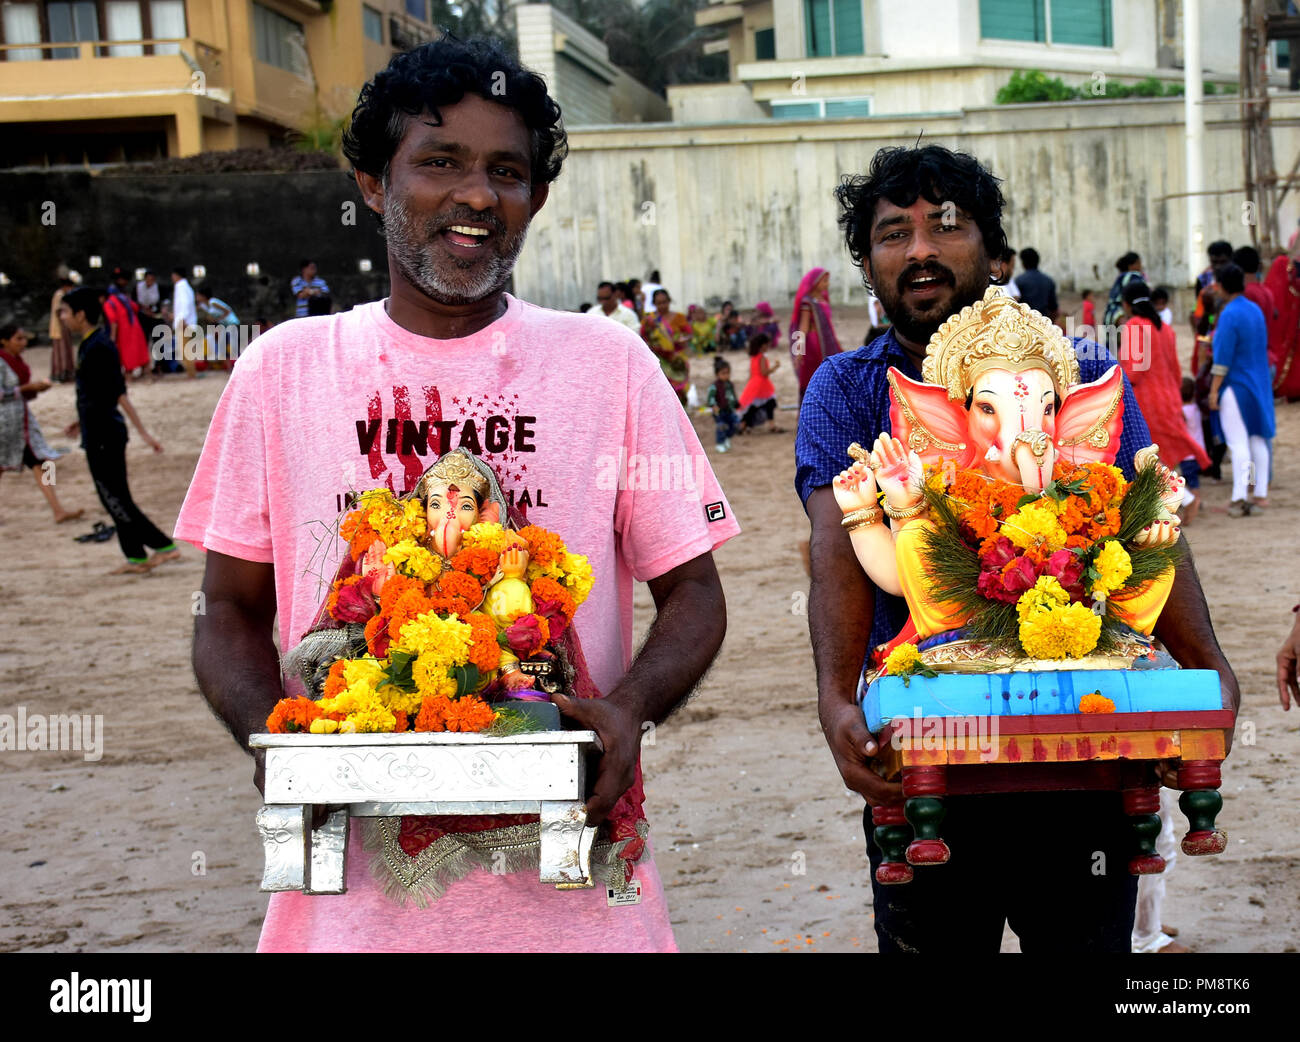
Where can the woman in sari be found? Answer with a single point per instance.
(21, 443)
(811, 320)
(765, 322)
(1283, 281)
(668, 335)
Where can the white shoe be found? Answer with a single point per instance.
(722, 447)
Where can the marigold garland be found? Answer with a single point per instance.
(1096, 703)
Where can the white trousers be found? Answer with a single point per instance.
(1147, 935)
(1249, 451)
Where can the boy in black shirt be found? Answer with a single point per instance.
(101, 397)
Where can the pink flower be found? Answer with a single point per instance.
(999, 555)
(356, 602)
(1068, 570)
(556, 620)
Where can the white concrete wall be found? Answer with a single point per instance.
(713, 103)
(743, 211)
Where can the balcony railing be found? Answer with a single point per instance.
(29, 67)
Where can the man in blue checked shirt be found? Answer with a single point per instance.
(925, 225)
(309, 291)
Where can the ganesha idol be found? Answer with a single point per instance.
(1034, 575)
(457, 492)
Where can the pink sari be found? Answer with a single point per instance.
(820, 341)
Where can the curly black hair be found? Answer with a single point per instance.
(442, 73)
(902, 175)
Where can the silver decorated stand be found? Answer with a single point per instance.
(382, 775)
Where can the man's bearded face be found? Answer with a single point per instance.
(926, 263)
(416, 245)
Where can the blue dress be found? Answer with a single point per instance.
(1241, 347)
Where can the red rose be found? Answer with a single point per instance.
(1019, 575)
(356, 602)
(1068, 570)
(999, 555)
(527, 635)
(556, 620)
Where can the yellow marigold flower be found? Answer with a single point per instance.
(322, 726)
(904, 659)
(1069, 631)
(365, 670)
(435, 640)
(1113, 566)
(1045, 594)
(487, 535)
(1034, 526)
(1096, 703)
(372, 719)
(431, 678)
(577, 576)
(395, 699)
(412, 559)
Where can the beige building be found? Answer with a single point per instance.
(845, 59)
(102, 81)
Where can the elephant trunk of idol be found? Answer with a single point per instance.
(446, 536)
(1034, 456)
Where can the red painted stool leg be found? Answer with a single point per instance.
(1200, 801)
(1142, 805)
(891, 834)
(924, 788)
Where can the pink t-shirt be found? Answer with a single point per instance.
(587, 438)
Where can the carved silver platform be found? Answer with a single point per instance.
(382, 775)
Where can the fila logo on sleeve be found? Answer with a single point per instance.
(714, 512)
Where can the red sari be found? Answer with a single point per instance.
(1284, 335)
(1150, 360)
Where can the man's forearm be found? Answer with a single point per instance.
(683, 641)
(841, 606)
(1186, 631)
(238, 669)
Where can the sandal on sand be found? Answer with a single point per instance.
(1239, 508)
(132, 568)
(162, 557)
(101, 533)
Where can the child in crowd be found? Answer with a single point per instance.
(1160, 301)
(1190, 468)
(723, 403)
(759, 397)
(1089, 312)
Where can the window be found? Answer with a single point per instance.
(69, 22)
(822, 108)
(1084, 22)
(764, 45)
(373, 23)
(417, 9)
(22, 24)
(275, 39)
(833, 27)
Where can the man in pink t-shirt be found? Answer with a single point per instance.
(571, 411)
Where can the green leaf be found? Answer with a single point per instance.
(467, 678)
(1025, 500)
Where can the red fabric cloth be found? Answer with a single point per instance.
(1150, 360)
(759, 387)
(124, 313)
(1089, 314)
(21, 369)
(1284, 336)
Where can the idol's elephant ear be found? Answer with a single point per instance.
(1091, 418)
(490, 513)
(923, 418)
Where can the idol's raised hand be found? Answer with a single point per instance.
(898, 472)
(855, 488)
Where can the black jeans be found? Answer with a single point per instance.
(1053, 865)
(107, 462)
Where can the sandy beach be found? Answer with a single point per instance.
(152, 846)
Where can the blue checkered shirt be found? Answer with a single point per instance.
(848, 400)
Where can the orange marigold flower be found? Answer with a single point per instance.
(361, 540)
(544, 548)
(1102, 525)
(291, 715)
(433, 713)
(469, 714)
(458, 584)
(403, 721)
(393, 590)
(484, 651)
(549, 590)
(1096, 703)
(334, 683)
(477, 561)
(377, 625)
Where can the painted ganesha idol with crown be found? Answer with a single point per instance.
(1034, 574)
